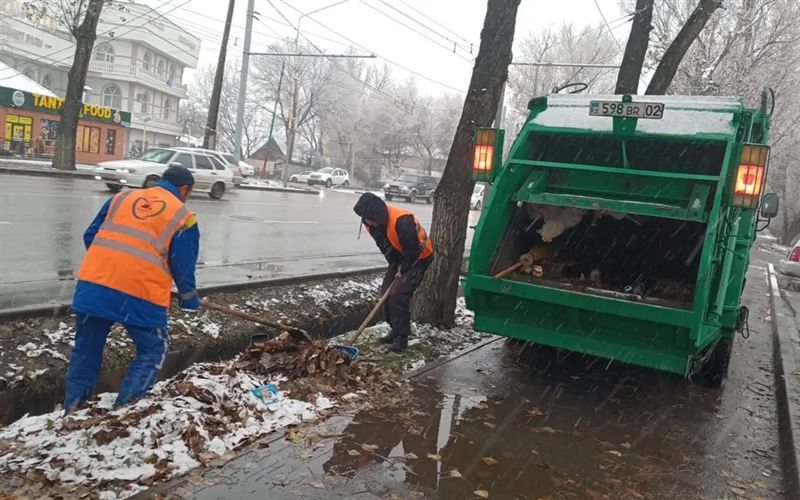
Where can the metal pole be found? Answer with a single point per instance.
(237, 146)
(498, 117)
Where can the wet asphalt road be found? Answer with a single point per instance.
(246, 235)
(520, 422)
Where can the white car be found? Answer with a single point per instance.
(476, 202)
(790, 266)
(301, 177)
(238, 176)
(246, 169)
(329, 177)
(211, 175)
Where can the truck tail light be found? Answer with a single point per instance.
(795, 255)
(486, 153)
(750, 176)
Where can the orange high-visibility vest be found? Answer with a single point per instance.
(129, 253)
(425, 243)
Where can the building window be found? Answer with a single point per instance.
(104, 53)
(47, 81)
(88, 139)
(111, 141)
(172, 72)
(146, 61)
(166, 111)
(112, 97)
(160, 70)
(144, 102)
(28, 72)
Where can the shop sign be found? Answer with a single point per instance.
(45, 103)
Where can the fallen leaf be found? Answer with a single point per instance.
(615, 453)
(369, 447)
(739, 491)
(411, 456)
(481, 406)
(535, 412)
(434, 456)
(548, 430)
(625, 445)
(489, 461)
(353, 453)
(455, 473)
(293, 436)
(481, 493)
(317, 484)
(489, 425)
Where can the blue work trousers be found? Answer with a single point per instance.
(87, 356)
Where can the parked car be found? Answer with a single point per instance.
(301, 177)
(476, 203)
(245, 168)
(790, 266)
(411, 187)
(329, 177)
(211, 175)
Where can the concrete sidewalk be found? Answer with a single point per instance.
(786, 338)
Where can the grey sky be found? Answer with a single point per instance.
(361, 21)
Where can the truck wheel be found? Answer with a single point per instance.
(715, 368)
(388, 197)
(150, 181)
(217, 190)
(114, 188)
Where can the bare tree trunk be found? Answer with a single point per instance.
(435, 302)
(673, 56)
(291, 132)
(210, 135)
(85, 34)
(633, 59)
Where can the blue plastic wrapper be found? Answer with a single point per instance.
(267, 393)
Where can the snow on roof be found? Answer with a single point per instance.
(683, 115)
(11, 78)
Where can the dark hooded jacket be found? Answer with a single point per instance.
(372, 207)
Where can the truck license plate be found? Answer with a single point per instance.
(648, 110)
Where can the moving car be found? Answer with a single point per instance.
(238, 175)
(211, 175)
(245, 168)
(477, 197)
(301, 177)
(411, 187)
(790, 266)
(329, 177)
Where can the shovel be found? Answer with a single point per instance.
(350, 350)
(296, 333)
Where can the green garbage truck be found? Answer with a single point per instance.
(620, 227)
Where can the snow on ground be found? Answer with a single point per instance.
(345, 294)
(269, 184)
(198, 415)
(195, 324)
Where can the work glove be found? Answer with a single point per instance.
(189, 300)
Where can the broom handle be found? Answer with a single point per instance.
(373, 313)
(244, 315)
(505, 272)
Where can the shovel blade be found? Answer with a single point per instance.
(348, 350)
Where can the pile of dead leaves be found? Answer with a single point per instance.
(312, 368)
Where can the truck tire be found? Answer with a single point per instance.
(217, 190)
(114, 188)
(715, 368)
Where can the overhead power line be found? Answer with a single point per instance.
(437, 23)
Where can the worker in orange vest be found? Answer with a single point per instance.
(138, 244)
(409, 251)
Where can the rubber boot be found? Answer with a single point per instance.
(388, 338)
(399, 344)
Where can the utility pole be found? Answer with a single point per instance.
(210, 135)
(248, 31)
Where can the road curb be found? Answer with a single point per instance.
(277, 190)
(786, 356)
(59, 308)
(41, 172)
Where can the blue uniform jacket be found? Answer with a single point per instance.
(104, 302)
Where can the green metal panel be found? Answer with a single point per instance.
(665, 338)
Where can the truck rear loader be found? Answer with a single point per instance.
(620, 227)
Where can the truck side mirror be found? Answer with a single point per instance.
(769, 205)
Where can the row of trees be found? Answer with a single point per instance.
(349, 112)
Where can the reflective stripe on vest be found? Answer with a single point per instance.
(425, 243)
(130, 250)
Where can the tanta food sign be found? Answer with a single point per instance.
(51, 104)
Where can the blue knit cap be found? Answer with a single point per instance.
(178, 175)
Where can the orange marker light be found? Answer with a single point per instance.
(750, 176)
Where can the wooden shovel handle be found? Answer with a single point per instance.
(251, 317)
(505, 272)
(373, 312)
